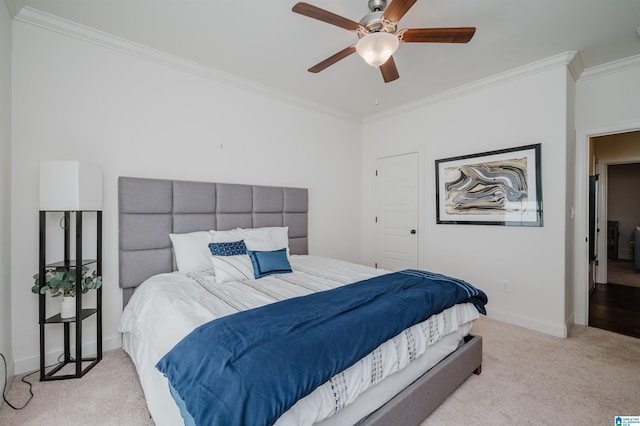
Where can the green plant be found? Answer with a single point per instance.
(61, 281)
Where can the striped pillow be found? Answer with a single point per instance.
(232, 268)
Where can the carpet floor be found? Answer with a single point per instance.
(109, 394)
(528, 378)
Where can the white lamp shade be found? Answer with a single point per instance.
(70, 186)
(376, 48)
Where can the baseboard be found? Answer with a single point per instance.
(569, 324)
(559, 330)
(32, 362)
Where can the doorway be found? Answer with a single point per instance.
(614, 296)
(623, 224)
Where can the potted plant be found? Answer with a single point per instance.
(61, 281)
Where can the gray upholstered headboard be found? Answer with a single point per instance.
(150, 209)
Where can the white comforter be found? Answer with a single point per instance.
(167, 307)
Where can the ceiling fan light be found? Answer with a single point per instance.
(376, 48)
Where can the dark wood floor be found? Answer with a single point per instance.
(616, 308)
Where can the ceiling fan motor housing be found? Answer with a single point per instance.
(374, 23)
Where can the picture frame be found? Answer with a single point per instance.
(502, 187)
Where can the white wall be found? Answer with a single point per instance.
(527, 109)
(5, 190)
(608, 99)
(606, 103)
(569, 299)
(77, 100)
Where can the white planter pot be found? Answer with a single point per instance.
(68, 307)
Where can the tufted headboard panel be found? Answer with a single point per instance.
(150, 209)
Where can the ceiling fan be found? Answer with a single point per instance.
(378, 35)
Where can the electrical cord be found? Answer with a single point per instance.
(4, 387)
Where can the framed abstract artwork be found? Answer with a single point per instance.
(491, 188)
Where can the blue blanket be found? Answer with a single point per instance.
(249, 368)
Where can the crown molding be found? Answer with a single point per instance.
(560, 60)
(54, 23)
(15, 6)
(611, 67)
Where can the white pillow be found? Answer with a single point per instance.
(262, 245)
(192, 251)
(280, 234)
(240, 234)
(277, 235)
(232, 268)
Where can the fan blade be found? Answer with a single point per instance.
(438, 35)
(333, 59)
(396, 10)
(389, 70)
(315, 12)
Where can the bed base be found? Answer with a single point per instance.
(422, 397)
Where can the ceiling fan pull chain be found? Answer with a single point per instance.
(376, 85)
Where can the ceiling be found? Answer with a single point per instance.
(264, 42)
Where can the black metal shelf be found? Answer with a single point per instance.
(57, 319)
(52, 375)
(81, 313)
(71, 263)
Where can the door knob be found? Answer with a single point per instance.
(413, 231)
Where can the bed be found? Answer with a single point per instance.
(164, 304)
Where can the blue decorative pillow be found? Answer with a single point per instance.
(234, 248)
(269, 262)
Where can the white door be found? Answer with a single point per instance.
(397, 212)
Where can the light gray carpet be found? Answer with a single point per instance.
(109, 394)
(528, 378)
